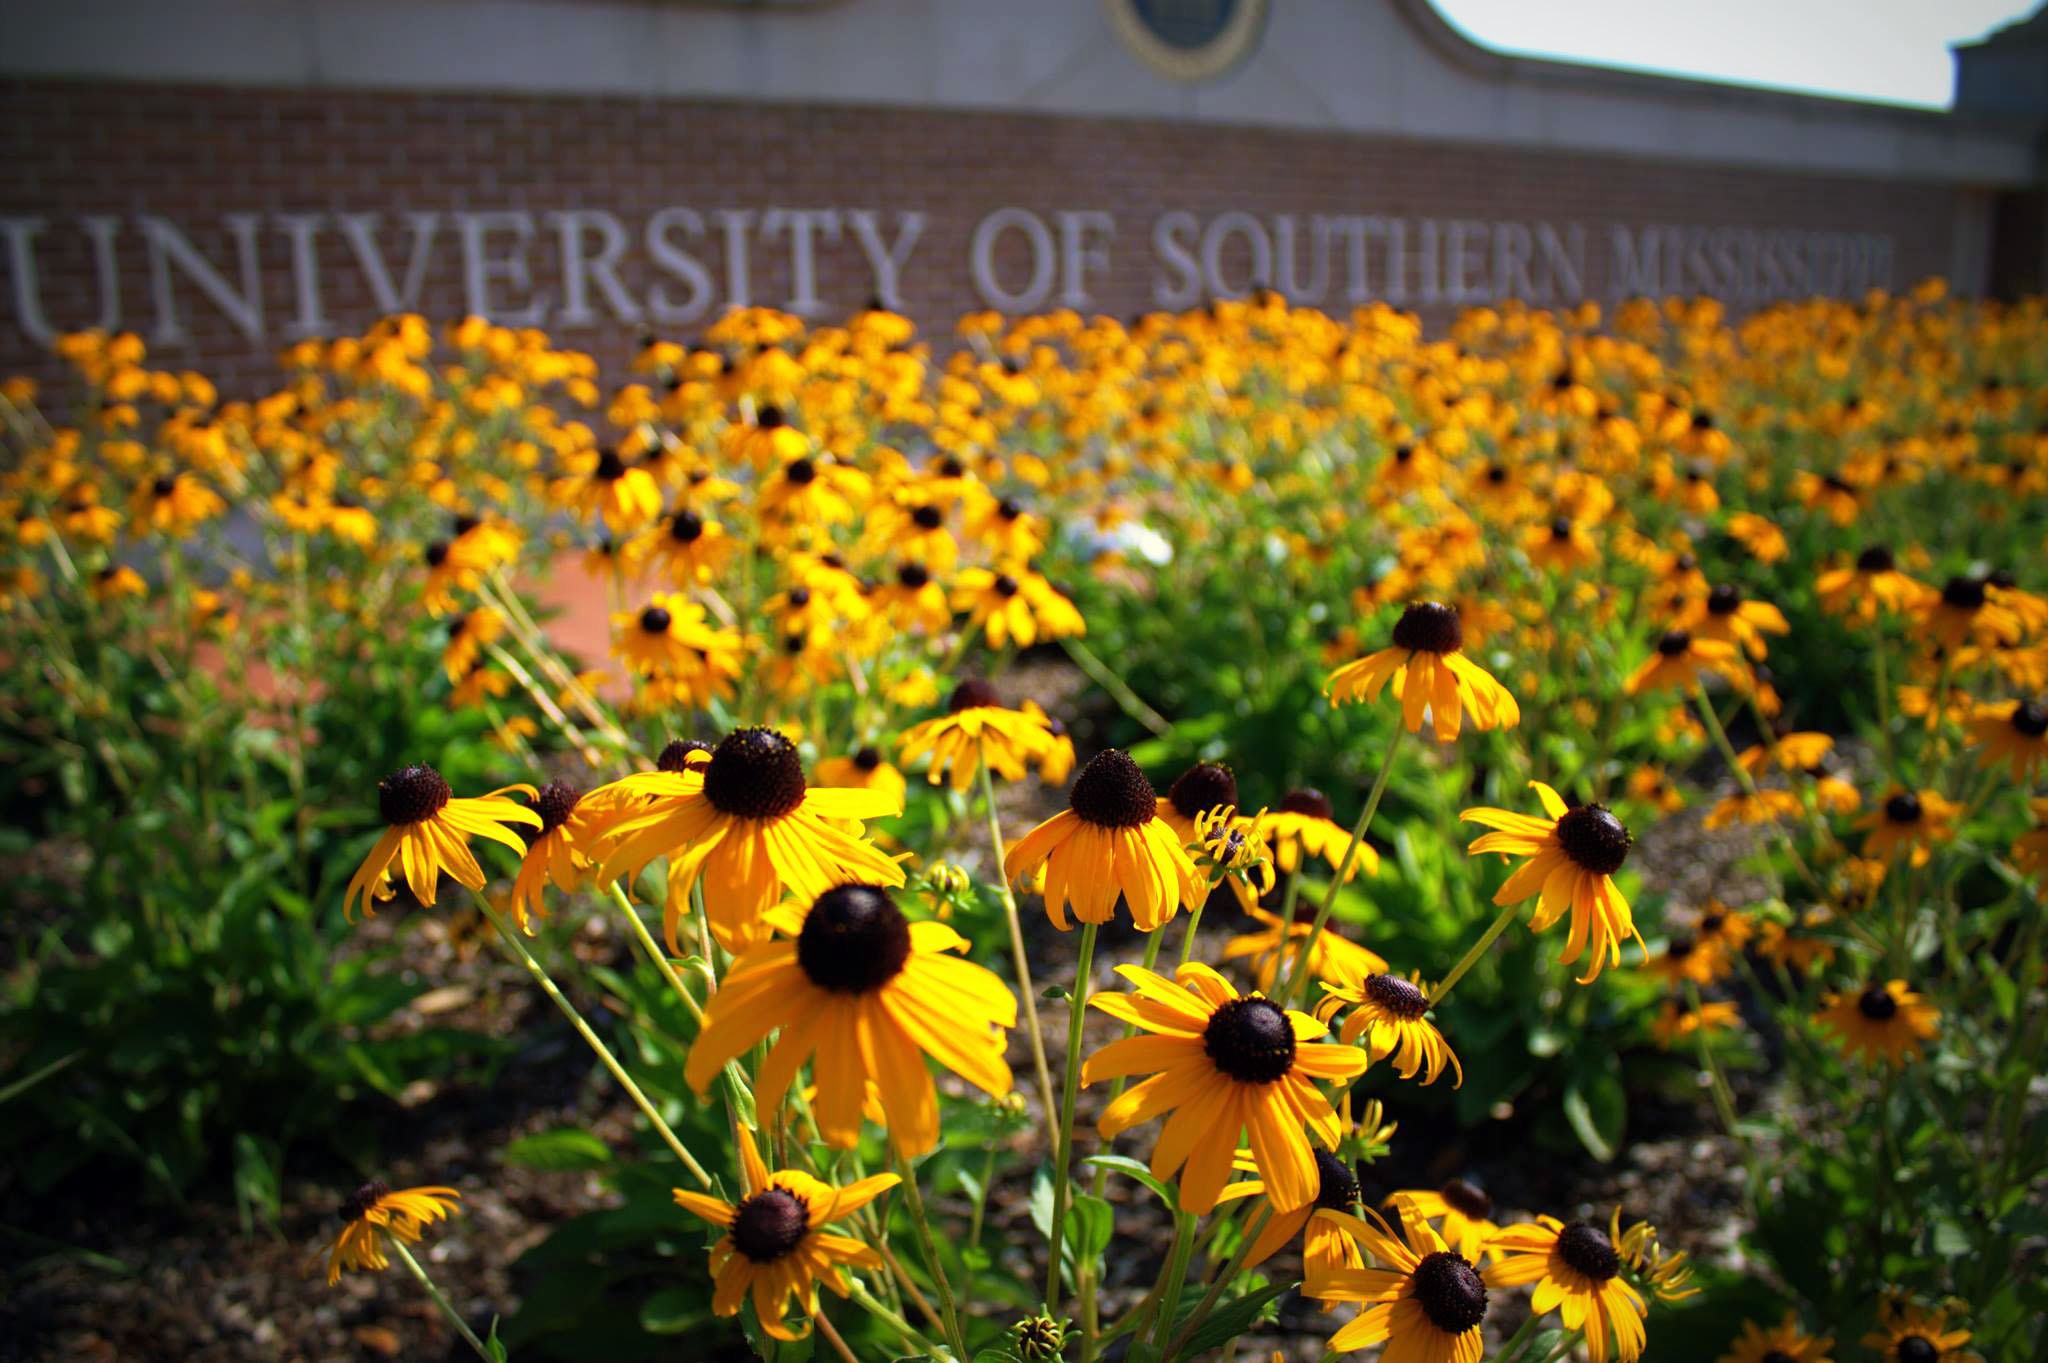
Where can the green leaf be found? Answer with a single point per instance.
(1232, 1319)
(1094, 1225)
(567, 1147)
(1135, 1169)
(1596, 1105)
(673, 1310)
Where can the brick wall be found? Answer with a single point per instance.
(194, 155)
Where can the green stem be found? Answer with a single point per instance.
(1018, 955)
(1299, 972)
(1176, 1275)
(1474, 952)
(914, 1199)
(1063, 1155)
(1518, 1341)
(1223, 1281)
(655, 953)
(865, 1300)
(1127, 700)
(448, 1310)
(592, 1040)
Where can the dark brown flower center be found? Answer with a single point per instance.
(1307, 800)
(357, 1204)
(1674, 642)
(686, 527)
(1588, 1251)
(854, 940)
(1429, 627)
(1467, 1198)
(1337, 1187)
(755, 774)
(1450, 1292)
(675, 755)
(1723, 600)
(1963, 593)
(164, 486)
(1877, 1004)
(655, 620)
(1561, 528)
(437, 553)
(1396, 995)
(1876, 559)
(1006, 585)
(1681, 946)
(1903, 808)
(610, 468)
(800, 471)
(1201, 788)
(769, 1224)
(1111, 792)
(972, 694)
(1594, 839)
(913, 575)
(2030, 718)
(1918, 1349)
(768, 416)
(867, 759)
(1250, 1039)
(928, 517)
(557, 802)
(411, 794)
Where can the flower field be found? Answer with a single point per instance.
(1232, 835)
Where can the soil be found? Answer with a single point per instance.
(105, 1277)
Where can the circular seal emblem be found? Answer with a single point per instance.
(1189, 40)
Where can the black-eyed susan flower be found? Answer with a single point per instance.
(1331, 957)
(864, 995)
(1677, 660)
(556, 854)
(1761, 537)
(1464, 1210)
(693, 548)
(749, 830)
(1872, 584)
(427, 832)
(174, 504)
(913, 599)
(976, 728)
(1726, 616)
(1015, 606)
(117, 582)
(1577, 1272)
(1687, 959)
(1886, 1022)
(1425, 1304)
(468, 633)
(1969, 610)
(1678, 1021)
(2014, 732)
(1907, 823)
(374, 1211)
(1785, 1342)
(1201, 788)
(1056, 759)
(1305, 824)
(1324, 1242)
(1391, 1015)
(1430, 674)
(1907, 1333)
(1221, 1064)
(775, 1244)
(1573, 854)
(1561, 546)
(1109, 843)
(864, 769)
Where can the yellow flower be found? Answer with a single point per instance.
(1887, 1021)
(1784, 1342)
(775, 1244)
(976, 728)
(1573, 855)
(1431, 676)
(1109, 843)
(374, 1211)
(1221, 1064)
(427, 832)
(1392, 1015)
(1426, 1304)
(1577, 1272)
(864, 995)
